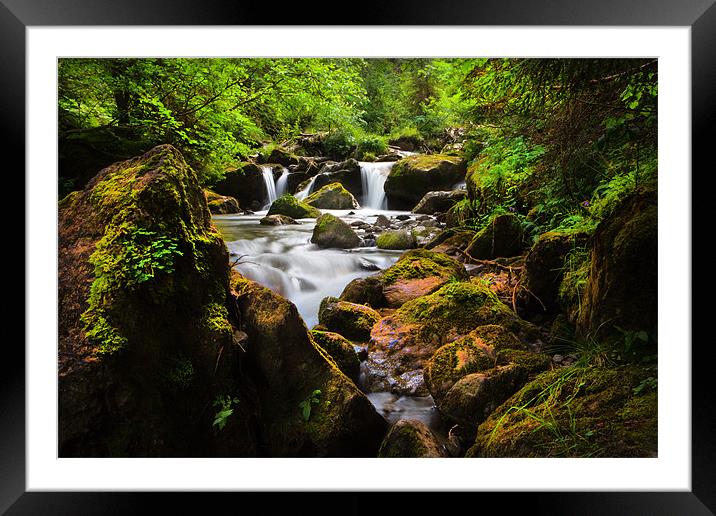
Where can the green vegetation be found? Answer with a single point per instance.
(306, 405)
(225, 406)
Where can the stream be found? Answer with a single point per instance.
(283, 259)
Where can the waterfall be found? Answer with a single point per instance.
(301, 195)
(270, 186)
(372, 177)
(282, 183)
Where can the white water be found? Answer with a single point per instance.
(282, 183)
(373, 177)
(283, 258)
(270, 186)
(307, 190)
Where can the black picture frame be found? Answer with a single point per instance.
(699, 15)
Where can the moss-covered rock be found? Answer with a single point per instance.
(576, 412)
(411, 438)
(439, 202)
(341, 351)
(351, 320)
(365, 291)
(309, 407)
(288, 205)
(330, 231)
(402, 342)
(277, 220)
(332, 197)
(622, 287)
(245, 184)
(396, 239)
(501, 237)
(347, 173)
(543, 271)
(475, 352)
(221, 204)
(412, 177)
(145, 338)
(280, 156)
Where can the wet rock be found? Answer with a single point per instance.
(502, 237)
(221, 204)
(439, 202)
(402, 217)
(346, 173)
(342, 422)
(399, 239)
(351, 320)
(278, 155)
(412, 177)
(277, 220)
(245, 184)
(382, 221)
(332, 197)
(330, 231)
(288, 205)
(411, 438)
(341, 351)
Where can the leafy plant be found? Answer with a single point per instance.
(306, 405)
(225, 409)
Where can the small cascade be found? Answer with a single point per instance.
(301, 195)
(282, 183)
(373, 177)
(270, 186)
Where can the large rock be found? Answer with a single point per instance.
(346, 173)
(277, 220)
(288, 205)
(411, 438)
(221, 204)
(341, 351)
(622, 287)
(351, 320)
(473, 353)
(332, 197)
(280, 156)
(245, 184)
(396, 239)
(417, 273)
(402, 342)
(543, 272)
(330, 231)
(412, 177)
(439, 202)
(595, 412)
(501, 237)
(296, 374)
(146, 343)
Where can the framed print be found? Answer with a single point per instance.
(291, 256)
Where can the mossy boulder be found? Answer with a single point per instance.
(341, 351)
(146, 341)
(277, 220)
(475, 352)
(295, 374)
(576, 412)
(280, 156)
(351, 320)
(330, 231)
(347, 173)
(412, 177)
(418, 272)
(332, 197)
(411, 438)
(439, 202)
(621, 290)
(221, 204)
(543, 272)
(396, 239)
(245, 184)
(288, 205)
(501, 237)
(401, 343)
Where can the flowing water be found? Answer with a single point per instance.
(373, 177)
(302, 194)
(282, 183)
(270, 185)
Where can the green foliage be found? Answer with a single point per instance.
(225, 408)
(340, 143)
(647, 384)
(370, 145)
(306, 405)
(181, 372)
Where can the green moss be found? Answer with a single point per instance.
(501, 237)
(423, 162)
(532, 362)
(332, 196)
(288, 205)
(574, 282)
(340, 350)
(216, 319)
(422, 263)
(398, 239)
(350, 320)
